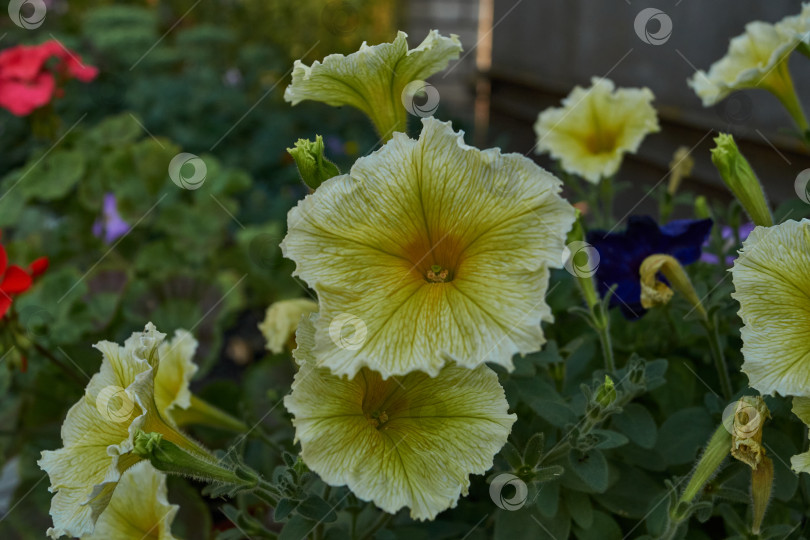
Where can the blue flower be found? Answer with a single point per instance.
(621, 255)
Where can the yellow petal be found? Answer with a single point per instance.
(595, 127)
(139, 508)
(281, 320)
(373, 78)
(801, 408)
(430, 250)
(406, 441)
(772, 282)
(175, 373)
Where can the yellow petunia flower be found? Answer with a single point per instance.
(801, 408)
(282, 319)
(772, 281)
(374, 78)
(430, 250)
(98, 433)
(410, 442)
(758, 59)
(596, 127)
(139, 508)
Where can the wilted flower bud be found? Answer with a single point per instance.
(313, 167)
(655, 292)
(746, 434)
(741, 179)
(680, 167)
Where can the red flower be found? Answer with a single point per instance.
(14, 280)
(26, 83)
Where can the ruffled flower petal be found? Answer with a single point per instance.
(139, 508)
(98, 433)
(430, 250)
(595, 127)
(175, 373)
(403, 442)
(772, 284)
(281, 321)
(373, 78)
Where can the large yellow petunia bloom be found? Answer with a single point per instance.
(98, 433)
(772, 282)
(596, 127)
(403, 442)
(374, 78)
(139, 508)
(758, 58)
(430, 250)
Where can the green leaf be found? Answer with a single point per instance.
(580, 507)
(604, 527)
(637, 423)
(608, 439)
(314, 507)
(683, 433)
(533, 452)
(512, 456)
(297, 528)
(54, 176)
(284, 508)
(591, 467)
(528, 524)
(547, 499)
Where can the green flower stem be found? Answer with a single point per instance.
(603, 330)
(203, 413)
(167, 457)
(718, 357)
(606, 200)
(786, 92)
(718, 448)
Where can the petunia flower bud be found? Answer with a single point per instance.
(313, 167)
(741, 179)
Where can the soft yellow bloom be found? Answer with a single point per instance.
(772, 282)
(758, 59)
(801, 408)
(175, 373)
(430, 250)
(282, 319)
(373, 78)
(139, 508)
(98, 433)
(410, 441)
(595, 127)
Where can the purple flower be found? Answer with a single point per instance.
(727, 234)
(621, 254)
(110, 226)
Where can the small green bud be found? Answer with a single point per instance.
(606, 394)
(702, 210)
(741, 179)
(313, 167)
(146, 443)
